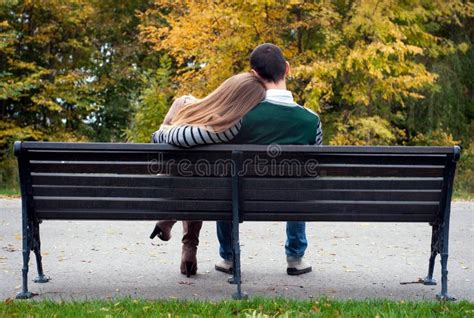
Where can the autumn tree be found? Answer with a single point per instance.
(46, 89)
(358, 63)
(69, 70)
(121, 62)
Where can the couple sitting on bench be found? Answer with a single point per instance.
(248, 108)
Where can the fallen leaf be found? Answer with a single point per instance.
(182, 282)
(9, 248)
(8, 301)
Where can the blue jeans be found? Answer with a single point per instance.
(295, 246)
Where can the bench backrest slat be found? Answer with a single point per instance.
(189, 193)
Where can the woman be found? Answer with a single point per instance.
(213, 119)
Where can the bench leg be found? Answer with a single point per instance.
(429, 280)
(237, 158)
(37, 250)
(444, 264)
(25, 294)
(236, 278)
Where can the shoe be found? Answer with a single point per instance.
(162, 230)
(189, 268)
(188, 260)
(297, 266)
(191, 230)
(224, 266)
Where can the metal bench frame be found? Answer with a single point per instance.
(440, 225)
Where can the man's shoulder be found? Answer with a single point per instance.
(296, 109)
(308, 112)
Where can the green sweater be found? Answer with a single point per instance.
(274, 123)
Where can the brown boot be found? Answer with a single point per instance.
(163, 230)
(190, 241)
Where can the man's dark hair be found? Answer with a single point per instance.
(268, 61)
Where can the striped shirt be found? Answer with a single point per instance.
(188, 136)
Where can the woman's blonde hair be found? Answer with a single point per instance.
(226, 105)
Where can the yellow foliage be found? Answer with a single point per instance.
(366, 131)
(368, 52)
(435, 138)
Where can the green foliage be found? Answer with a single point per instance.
(464, 179)
(450, 105)
(152, 106)
(120, 60)
(10, 192)
(9, 173)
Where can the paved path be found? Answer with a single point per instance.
(89, 260)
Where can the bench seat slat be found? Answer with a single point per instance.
(254, 184)
(146, 167)
(124, 156)
(344, 195)
(323, 206)
(248, 195)
(78, 214)
(340, 217)
(135, 192)
(108, 180)
(117, 214)
(388, 183)
(341, 158)
(52, 203)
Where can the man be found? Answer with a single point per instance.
(276, 120)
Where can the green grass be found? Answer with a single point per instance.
(9, 192)
(463, 196)
(257, 307)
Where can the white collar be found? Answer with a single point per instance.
(280, 96)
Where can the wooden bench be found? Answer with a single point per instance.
(112, 181)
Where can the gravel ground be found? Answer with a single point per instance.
(100, 260)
